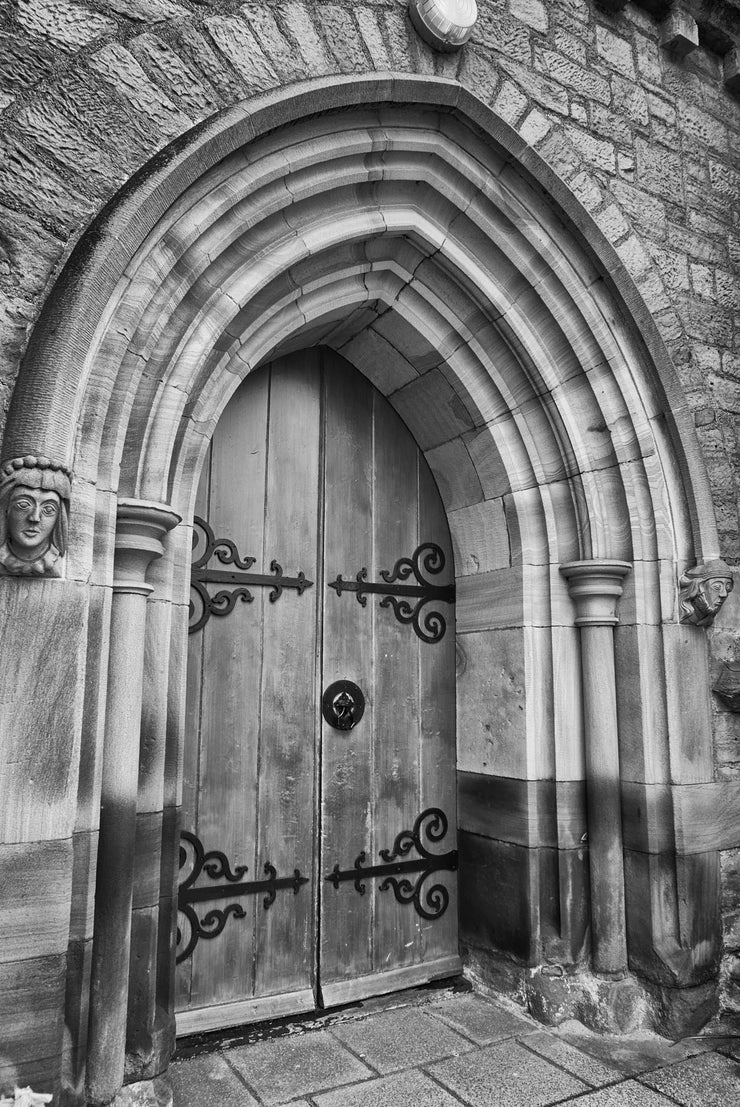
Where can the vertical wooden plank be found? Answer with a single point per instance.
(396, 687)
(285, 936)
(348, 772)
(437, 753)
(230, 724)
(191, 753)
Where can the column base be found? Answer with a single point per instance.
(145, 1093)
(605, 1006)
(682, 1012)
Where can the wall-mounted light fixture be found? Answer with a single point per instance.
(444, 24)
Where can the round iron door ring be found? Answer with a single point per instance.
(343, 704)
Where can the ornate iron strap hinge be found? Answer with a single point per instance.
(430, 626)
(203, 605)
(215, 865)
(436, 898)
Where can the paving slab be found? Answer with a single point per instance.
(208, 1081)
(296, 1065)
(580, 1064)
(399, 1039)
(506, 1075)
(406, 1089)
(630, 1054)
(479, 1019)
(706, 1081)
(627, 1094)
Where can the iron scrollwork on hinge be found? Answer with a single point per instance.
(203, 605)
(430, 626)
(216, 865)
(435, 898)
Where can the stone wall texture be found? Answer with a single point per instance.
(648, 142)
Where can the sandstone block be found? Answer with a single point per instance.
(120, 69)
(496, 30)
(194, 48)
(145, 11)
(237, 43)
(701, 279)
(534, 127)
(342, 37)
(731, 70)
(31, 1020)
(69, 26)
(596, 151)
(659, 170)
(98, 112)
(480, 537)
(705, 128)
(369, 26)
(725, 179)
(630, 100)
(548, 93)
(574, 77)
(36, 882)
(587, 190)
(573, 46)
(281, 53)
(23, 62)
(531, 12)
(708, 321)
(298, 21)
(28, 183)
(28, 253)
(613, 223)
(673, 269)
(561, 155)
(696, 245)
(649, 62)
(399, 33)
(510, 103)
(615, 51)
(679, 34)
(55, 135)
(177, 79)
(606, 123)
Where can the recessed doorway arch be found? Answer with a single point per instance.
(414, 233)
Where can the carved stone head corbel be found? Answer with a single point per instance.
(702, 591)
(34, 516)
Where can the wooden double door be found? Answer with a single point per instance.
(318, 847)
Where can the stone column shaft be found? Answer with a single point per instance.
(595, 586)
(140, 529)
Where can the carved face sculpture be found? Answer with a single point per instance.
(703, 590)
(32, 516)
(712, 594)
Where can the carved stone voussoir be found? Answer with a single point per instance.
(702, 591)
(34, 516)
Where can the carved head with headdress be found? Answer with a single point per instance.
(703, 590)
(34, 516)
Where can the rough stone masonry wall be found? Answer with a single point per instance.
(649, 142)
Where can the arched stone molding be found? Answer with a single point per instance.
(403, 224)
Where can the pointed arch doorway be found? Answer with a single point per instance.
(319, 861)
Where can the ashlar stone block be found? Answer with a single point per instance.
(679, 34)
(69, 26)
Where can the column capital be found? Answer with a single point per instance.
(595, 586)
(141, 525)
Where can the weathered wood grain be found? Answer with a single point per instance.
(348, 772)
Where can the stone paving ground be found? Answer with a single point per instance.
(447, 1047)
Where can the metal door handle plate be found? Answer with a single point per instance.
(343, 704)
